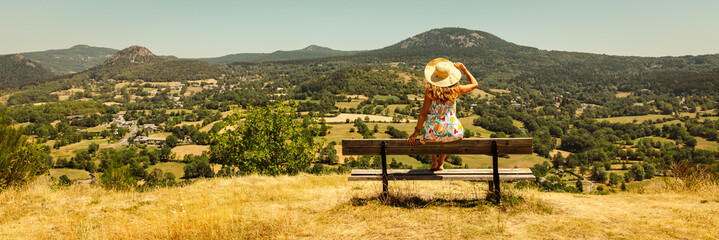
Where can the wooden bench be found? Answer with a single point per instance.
(490, 146)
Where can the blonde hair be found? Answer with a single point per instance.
(442, 94)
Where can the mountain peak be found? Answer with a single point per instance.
(449, 38)
(315, 48)
(79, 46)
(132, 54)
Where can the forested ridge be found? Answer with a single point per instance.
(16, 70)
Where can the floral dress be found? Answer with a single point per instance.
(442, 124)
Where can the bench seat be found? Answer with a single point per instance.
(505, 174)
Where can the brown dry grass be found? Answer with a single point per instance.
(330, 207)
(183, 150)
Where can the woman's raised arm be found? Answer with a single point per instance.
(472, 81)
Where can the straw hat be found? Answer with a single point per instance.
(441, 72)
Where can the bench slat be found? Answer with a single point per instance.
(464, 146)
(505, 171)
(446, 175)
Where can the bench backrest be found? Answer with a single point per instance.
(464, 146)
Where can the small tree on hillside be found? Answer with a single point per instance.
(267, 140)
(172, 141)
(637, 171)
(614, 179)
(599, 174)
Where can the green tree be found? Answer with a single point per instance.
(599, 173)
(118, 178)
(614, 179)
(20, 161)
(649, 170)
(580, 185)
(328, 154)
(198, 167)
(541, 169)
(637, 172)
(172, 141)
(269, 141)
(93, 148)
(64, 181)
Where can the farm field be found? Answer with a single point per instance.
(209, 126)
(98, 128)
(660, 139)
(190, 123)
(342, 117)
(183, 150)
(352, 104)
(623, 94)
(672, 122)
(630, 119)
(159, 134)
(73, 174)
(176, 168)
(69, 151)
(481, 93)
(702, 143)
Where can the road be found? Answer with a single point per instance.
(124, 141)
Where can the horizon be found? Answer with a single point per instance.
(207, 30)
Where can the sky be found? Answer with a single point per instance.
(193, 29)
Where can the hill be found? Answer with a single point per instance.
(310, 52)
(506, 65)
(75, 59)
(330, 207)
(137, 62)
(16, 70)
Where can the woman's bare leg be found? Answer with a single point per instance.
(434, 162)
(440, 164)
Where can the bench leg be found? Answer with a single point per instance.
(385, 180)
(495, 173)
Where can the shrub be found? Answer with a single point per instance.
(20, 161)
(198, 167)
(637, 171)
(267, 140)
(613, 179)
(64, 181)
(118, 178)
(318, 168)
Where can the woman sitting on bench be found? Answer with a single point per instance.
(441, 90)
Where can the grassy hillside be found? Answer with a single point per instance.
(75, 59)
(16, 70)
(330, 207)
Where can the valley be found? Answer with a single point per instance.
(137, 128)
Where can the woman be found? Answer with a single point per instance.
(438, 120)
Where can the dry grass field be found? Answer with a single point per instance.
(500, 90)
(209, 126)
(702, 143)
(69, 151)
(342, 117)
(623, 94)
(73, 174)
(176, 168)
(630, 119)
(330, 207)
(481, 94)
(183, 150)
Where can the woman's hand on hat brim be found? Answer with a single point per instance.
(460, 66)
